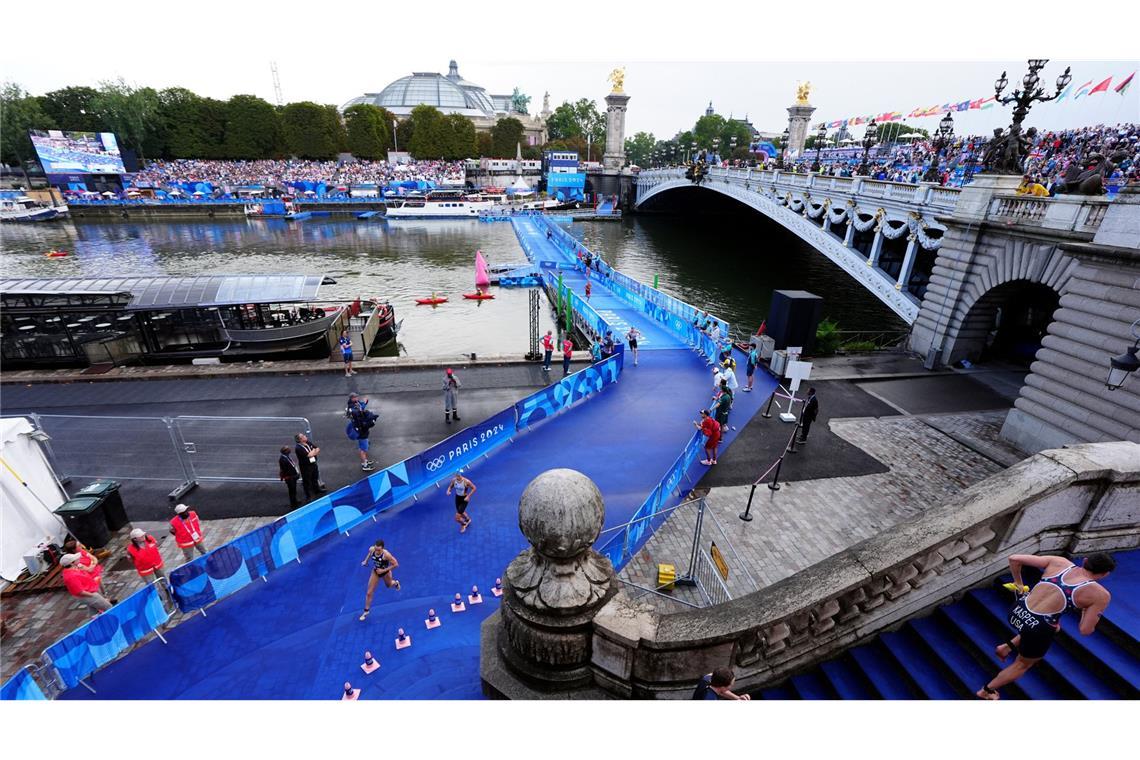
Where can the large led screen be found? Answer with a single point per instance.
(77, 152)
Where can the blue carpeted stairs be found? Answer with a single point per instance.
(949, 653)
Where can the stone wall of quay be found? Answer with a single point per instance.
(1076, 500)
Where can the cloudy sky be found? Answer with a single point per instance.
(222, 49)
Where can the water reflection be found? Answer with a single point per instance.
(730, 264)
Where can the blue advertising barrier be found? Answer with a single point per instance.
(569, 390)
(674, 313)
(21, 687)
(94, 644)
(462, 449)
(624, 544)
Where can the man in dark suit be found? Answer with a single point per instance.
(811, 411)
(289, 473)
(307, 461)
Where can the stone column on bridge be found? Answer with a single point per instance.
(799, 116)
(908, 261)
(876, 246)
(614, 158)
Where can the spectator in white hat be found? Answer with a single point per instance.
(144, 553)
(83, 585)
(187, 532)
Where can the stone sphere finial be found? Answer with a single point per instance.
(561, 513)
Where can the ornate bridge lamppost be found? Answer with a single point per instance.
(732, 147)
(1007, 153)
(694, 153)
(870, 137)
(783, 147)
(941, 139)
(820, 136)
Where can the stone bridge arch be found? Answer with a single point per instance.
(977, 282)
(795, 213)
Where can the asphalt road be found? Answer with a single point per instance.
(409, 402)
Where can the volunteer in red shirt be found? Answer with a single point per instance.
(548, 350)
(567, 352)
(187, 532)
(144, 553)
(83, 585)
(711, 430)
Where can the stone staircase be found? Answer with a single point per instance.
(948, 654)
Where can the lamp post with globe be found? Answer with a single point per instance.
(1009, 159)
(820, 137)
(941, 139)
(870, 137)
(783, 147)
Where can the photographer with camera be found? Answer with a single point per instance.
(360, 424)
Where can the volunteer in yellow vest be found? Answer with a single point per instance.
(187, 531)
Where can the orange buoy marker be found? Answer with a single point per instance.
(403, 640)
(457, 605)
(474, 597)
(497, 590)
(370, 664)
(432, 620)
(350, 694)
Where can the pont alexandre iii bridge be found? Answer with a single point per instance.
(950, 261)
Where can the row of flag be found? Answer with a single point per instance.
(1085, 90)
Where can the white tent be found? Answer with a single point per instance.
(26, 521)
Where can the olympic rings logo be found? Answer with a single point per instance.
(436, 463)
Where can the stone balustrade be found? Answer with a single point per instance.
(1076, 500)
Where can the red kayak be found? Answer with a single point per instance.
(430, 301)
(478, 296)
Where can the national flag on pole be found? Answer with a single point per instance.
(1102, 87)
(1082, 90)
(1120, 88)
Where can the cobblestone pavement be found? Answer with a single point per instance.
(807, 521)
(33, 622)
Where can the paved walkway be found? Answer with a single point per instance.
(809, 520)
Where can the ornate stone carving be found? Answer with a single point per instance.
(553, 589)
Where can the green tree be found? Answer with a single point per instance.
(212, 117)
(307, 131)
(485, 146)
(180, 130)
(71, 109)
(431, 134)
(743, 137)
(335, 126)
(506, 136)
(253, 128)
(638, 148)
(707, 129)
(578, 119)
(404, 132)
(369, 134)
(129, 112)
(462, 142)
(19, 112)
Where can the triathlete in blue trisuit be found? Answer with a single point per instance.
(1037, 615)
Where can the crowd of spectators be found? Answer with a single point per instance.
(1051, 155)
(268, 173)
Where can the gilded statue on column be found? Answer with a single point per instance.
(803, 89)
(617, 76)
